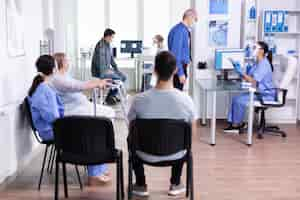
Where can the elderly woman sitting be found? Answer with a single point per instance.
(76, 103)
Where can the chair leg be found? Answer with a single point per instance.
(129, 179)
(78, 176)
(276, 131)
(50, 158)
(122, 175)
(187, 178)
(43, 167)
(191, 177)
(56, 180)
(118, 179)
(53, 160)
(65, 180)
(262, 125)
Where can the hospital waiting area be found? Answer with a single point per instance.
(150, 99)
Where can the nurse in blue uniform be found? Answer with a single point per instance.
(260, 76)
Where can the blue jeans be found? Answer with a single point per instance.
(116, 75)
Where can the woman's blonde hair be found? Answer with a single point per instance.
(59, 58)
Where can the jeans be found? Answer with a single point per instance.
(116, 75)
(139, 171)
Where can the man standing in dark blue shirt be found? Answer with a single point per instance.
(179, 43)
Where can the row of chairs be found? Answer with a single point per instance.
(83, 140)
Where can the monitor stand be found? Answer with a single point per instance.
(132, 55)
(226, 75)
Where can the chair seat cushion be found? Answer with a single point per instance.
(90, 159)
(271, 103)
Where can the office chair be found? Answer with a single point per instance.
(161, 137)
(281, 91)
(84, 140)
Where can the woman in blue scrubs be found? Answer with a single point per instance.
(46, 107)
(260, 76)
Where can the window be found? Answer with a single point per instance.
(90, 22)
(123, 19)
(156, 19)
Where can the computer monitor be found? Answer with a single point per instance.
(223, 58)
(131, 46)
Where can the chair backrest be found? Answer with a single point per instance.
(160, 136)
(29, 116)
(290, 72)
(84, 136)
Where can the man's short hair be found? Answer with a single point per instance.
(165, 65)
(109, 32)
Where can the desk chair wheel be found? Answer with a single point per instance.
(283, 135)
(212, 145)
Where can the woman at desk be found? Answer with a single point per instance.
(260, 77)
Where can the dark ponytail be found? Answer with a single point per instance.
(36, 82)
(45, 65)
(267, 52)
(270, 58)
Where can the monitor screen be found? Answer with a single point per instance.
(223, 58)
(131, 46)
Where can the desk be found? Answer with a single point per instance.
(214, 86)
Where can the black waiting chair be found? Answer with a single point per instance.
(161, 137)
(48, 144)
(83, 140)
(261, 106)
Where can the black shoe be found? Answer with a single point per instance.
(232, 129)
(117, 99)
(140, 191)
(110, 101)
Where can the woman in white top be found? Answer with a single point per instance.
(70, 91)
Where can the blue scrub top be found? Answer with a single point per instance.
(45, 107)
(262, 74)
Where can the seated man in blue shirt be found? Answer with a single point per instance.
(179, 43)
(162, 102)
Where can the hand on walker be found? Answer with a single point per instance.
(104, 82)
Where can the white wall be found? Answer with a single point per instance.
(16, 142)
(177, 8)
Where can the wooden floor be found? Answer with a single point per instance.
(269, 170)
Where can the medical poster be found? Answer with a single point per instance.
(218, 7)
(218, 33)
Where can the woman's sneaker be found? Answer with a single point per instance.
(176, 190)
(140, 191)
(232, 129)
